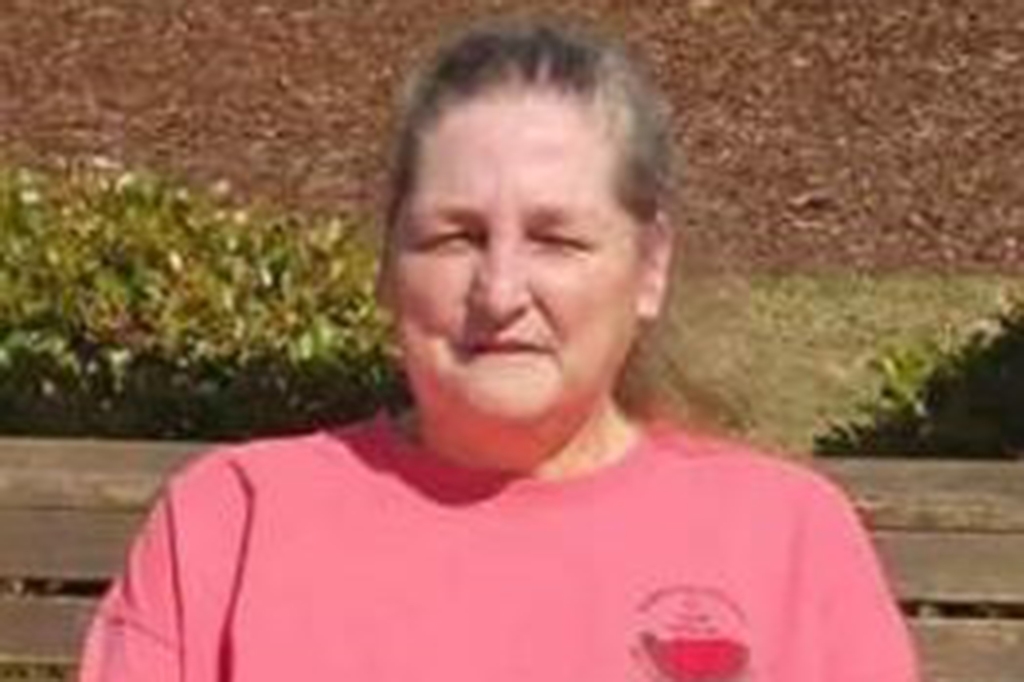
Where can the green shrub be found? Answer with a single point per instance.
(133, 307)
(965, 401)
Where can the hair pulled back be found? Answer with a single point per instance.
(538, 55)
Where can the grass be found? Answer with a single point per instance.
(796, 352)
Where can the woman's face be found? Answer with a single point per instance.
(515, 278)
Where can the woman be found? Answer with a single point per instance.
(520, 523)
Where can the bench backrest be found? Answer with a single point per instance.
(951, 535)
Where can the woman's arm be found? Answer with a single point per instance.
(863, 634)
(164, 618)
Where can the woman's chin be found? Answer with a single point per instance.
(520, 398)
(508, 406)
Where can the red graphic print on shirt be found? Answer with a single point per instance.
(692, 634)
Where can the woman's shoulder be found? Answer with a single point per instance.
(723, 463)
(276, 461)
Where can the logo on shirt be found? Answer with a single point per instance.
(691, 634)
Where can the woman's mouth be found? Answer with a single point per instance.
(502, 347)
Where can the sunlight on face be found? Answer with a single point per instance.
(515, 277)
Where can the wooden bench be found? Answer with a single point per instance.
(951, 534)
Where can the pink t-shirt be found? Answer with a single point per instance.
(352, 556)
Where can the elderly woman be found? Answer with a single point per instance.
(520, 523)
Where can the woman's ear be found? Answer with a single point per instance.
(657, 251)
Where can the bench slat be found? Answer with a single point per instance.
(62, 544)
(95, 455)
(83, 474)
(924, 567)
(955, 568)
(33, 489)
(955, 650)
(43, 631)
(935, 494)
(895, 494)
(971, 650)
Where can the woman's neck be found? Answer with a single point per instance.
(549, 448)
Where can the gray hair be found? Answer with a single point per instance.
(540, 55)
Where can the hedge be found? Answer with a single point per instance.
(964, 401)
(132, 306)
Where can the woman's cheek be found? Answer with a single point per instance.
(435, 296)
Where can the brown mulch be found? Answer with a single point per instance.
(875, 134)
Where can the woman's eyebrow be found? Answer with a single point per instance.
(548, 216)
(541, 216)
(461, 215)
(446, 212)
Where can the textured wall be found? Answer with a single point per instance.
(818, 133)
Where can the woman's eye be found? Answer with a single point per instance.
(561, 242)
(453, 239)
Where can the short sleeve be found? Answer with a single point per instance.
(135, 633)
(163, 619)
(864, 636)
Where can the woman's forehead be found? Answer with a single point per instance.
(530, 107)
(541, 142)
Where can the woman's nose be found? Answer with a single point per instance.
(500, 290)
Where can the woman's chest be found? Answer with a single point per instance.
(623, 603)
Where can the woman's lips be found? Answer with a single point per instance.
(502, 347)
